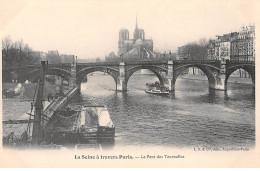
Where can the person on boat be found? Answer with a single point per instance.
(82, 128)
(31, 107)
(24, 137)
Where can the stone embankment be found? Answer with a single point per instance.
(235, 80)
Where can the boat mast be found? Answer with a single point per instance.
(37, 127)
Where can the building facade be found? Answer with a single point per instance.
(246, 43)
(234, 46)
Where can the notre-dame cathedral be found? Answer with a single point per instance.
(137, 47)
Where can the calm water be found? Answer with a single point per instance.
(192, 116)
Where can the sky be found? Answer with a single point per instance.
(90, 29)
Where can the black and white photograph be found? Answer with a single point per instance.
(133, 81)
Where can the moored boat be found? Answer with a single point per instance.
(82, 126)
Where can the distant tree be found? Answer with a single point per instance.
(66, 58)
(17, 53)
(195, 50)
(98, 59)
(53, 57)
(20, 47)
(6, 45)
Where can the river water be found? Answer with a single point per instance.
(191, 117)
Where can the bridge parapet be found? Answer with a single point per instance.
(146, 63)
(81, 66)
(64, 66)
(234, 62)
(195, 61)
(67, 66)
(23, 67)
(215, 63)
(38, 66)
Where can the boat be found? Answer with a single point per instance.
(81, 126)
(156, 88)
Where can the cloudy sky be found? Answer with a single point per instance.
(89, 29)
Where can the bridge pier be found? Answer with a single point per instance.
(73, 73)
(121, 81)
(220, 78)
(169, 80)
(220, 85)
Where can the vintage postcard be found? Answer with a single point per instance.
(131, 83)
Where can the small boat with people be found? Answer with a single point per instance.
(156, 88)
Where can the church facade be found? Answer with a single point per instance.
(138, 47)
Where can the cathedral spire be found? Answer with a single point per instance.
(136, 26)
(136, 32)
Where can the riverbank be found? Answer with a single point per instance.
(235, 80)
(27, 90)
(22, 109)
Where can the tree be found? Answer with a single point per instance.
(17, 53)
(53, 57)
(98, 59)
(194, 50)
(20, 47)
(6, 45)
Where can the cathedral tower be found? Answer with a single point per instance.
(123, 35)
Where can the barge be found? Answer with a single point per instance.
(81, 126)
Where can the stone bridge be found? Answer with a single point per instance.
(217, 71)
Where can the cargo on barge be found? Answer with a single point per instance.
(81, 126)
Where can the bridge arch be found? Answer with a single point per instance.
(35, 74)
(155, 69)
(247, 67)
(110, 71)
(210, 71)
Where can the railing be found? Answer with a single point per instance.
(98, 64)
(145, 62)
(240, 62)
(140, 62)
(37, 66)
(195, 61)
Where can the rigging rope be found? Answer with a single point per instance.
(32, 106)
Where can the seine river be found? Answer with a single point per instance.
(192, 117)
